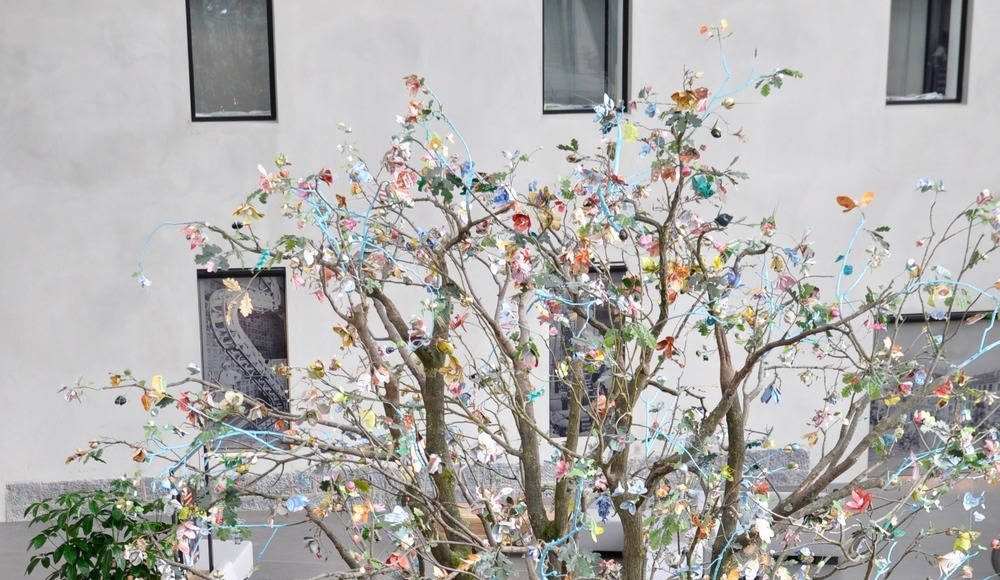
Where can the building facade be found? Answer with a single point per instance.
(100, 144)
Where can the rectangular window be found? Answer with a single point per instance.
(231, 60)
(926, 46)
(584, 53)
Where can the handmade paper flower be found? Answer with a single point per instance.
(860, 500)
(522, 222)
(562, 468)
(764, 531)
(296, 503)
(186, 532)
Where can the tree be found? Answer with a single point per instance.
(454, 285)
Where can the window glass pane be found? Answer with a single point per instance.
(583, 47)
(230, 58)
(924, 49)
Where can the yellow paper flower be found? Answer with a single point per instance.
(629, 132)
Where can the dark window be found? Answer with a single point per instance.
(584, 53)
(926, 46)
(231, 60)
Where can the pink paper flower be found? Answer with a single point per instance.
(562, 468)
(860, 500)
(785, 282)
(520, 266)
(193, 235)
(186, 532)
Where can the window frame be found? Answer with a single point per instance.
(960, 80)
(625, 52)
(271, 76)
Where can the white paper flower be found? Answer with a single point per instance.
(764, 530)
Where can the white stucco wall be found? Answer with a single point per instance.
(97, 147)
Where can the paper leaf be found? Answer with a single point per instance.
(232, 285)
(845, 202)
(849, 203)
(368, 419)
(246, 306)
(630, 132)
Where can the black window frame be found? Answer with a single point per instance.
(625, 52)
(960, 80)
(271, 76)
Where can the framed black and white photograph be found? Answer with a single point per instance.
(241, 352)
(597, 381)
(963, 334)
(231, 60)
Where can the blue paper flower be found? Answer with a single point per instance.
(501, 196)
(535, 395)
(732, 278)
(468, 171)
(650, 110)
(296, 503)
(794, 257)
(359, 172)
(603, 507)
(970, 501)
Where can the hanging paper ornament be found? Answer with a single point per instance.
(771, 392)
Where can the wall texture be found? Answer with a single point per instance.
(97, 148)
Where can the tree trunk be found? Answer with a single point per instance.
(530, 463)
(531, 469)
(436, 442)
(722, 548)
(565, 494)
(634, 552)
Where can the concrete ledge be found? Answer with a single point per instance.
(19, 495)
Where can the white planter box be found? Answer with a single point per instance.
(234, 561)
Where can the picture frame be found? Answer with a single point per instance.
(560, 393)
(241, 353)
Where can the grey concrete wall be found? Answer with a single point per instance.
(96, 148)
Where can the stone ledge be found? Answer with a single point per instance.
(19, 495)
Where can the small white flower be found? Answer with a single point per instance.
(764, 530)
